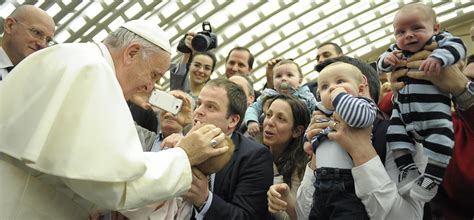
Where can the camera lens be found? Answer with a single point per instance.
(201, 42)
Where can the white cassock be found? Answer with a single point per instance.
(68, 144)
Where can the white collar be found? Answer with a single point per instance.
(4, 59)
(106, 54)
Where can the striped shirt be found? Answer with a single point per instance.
(357, 112)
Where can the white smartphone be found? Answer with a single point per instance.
(165, 101)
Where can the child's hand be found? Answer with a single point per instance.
(393, 58)
(431, 66)
(272, 62)
(253, 128)
(269, 72)
(336, 92)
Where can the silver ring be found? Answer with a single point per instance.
(213, 143)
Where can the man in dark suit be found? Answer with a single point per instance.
(238, 191)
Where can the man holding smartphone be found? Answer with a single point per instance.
(70, 146)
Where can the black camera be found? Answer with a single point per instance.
(203, 41)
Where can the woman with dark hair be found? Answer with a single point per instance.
(200, 70)
(194, 70)
(283, 128)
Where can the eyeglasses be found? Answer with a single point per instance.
(37, 33)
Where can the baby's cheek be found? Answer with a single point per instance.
(294, 84)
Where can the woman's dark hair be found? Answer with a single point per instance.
(210, 55)
(293, 157)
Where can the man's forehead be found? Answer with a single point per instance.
(212, 93)
(45, 25)
(326, 48)
(239, 54)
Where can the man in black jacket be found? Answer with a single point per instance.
(238, 191)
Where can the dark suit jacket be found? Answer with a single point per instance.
(240, 188)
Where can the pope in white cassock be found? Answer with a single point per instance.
(68, 144)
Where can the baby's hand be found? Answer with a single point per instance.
(272, 62)
(431, 66)
(336, 92)
(253, 128)
(393, 58)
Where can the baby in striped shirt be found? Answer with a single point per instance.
(421, 112)
(343, 89)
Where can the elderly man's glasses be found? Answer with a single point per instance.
(37, 33)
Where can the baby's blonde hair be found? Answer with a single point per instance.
(287, 61)
(358, 76)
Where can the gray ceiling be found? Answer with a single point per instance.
(290, 29)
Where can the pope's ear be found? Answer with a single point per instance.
(132, 52)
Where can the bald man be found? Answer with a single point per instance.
(244, 82)
(27, 30)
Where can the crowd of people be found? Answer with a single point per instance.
(79, 139)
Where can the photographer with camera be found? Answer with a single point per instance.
(197, 61)
(239, 60)
(202, 41)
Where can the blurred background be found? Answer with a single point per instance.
(270, 29)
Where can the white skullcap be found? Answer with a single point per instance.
(149, 31)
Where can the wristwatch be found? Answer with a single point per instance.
(465, 99)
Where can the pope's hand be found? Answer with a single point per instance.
(197, 143)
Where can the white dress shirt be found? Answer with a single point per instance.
(376, 186)
(5, 62)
